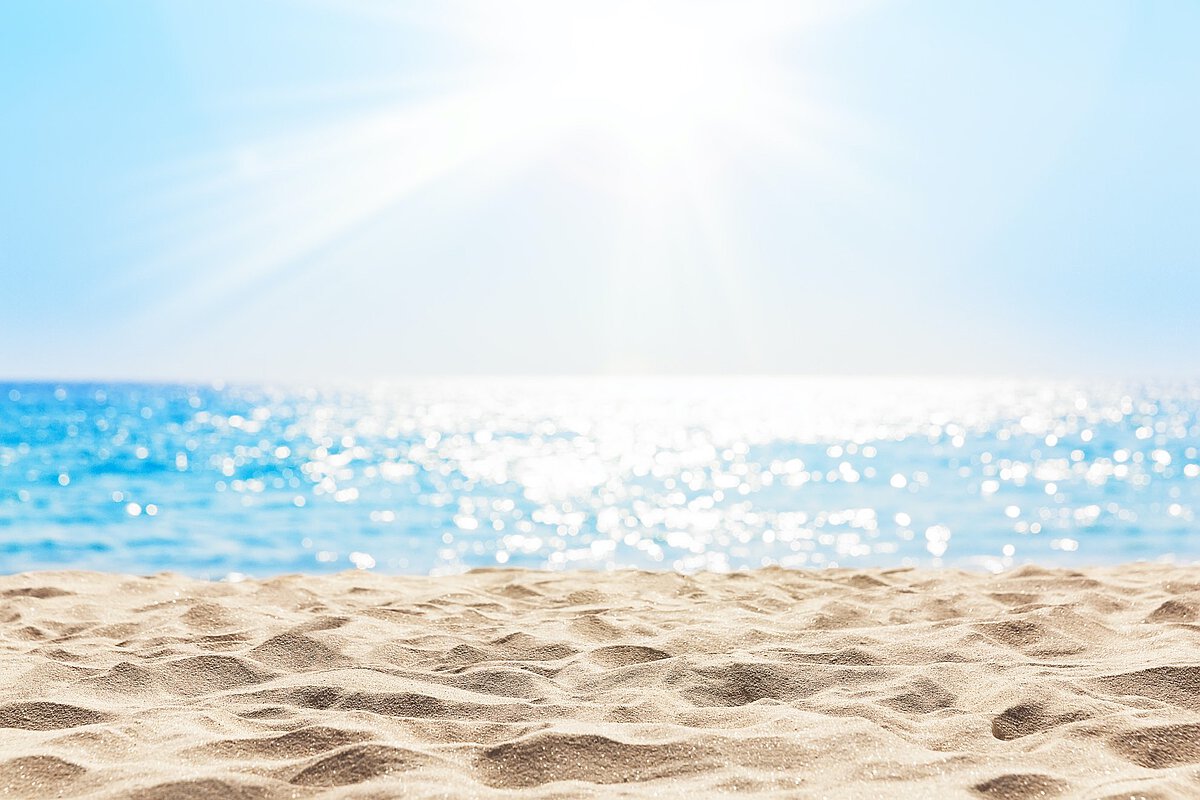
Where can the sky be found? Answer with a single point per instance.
(316, 190)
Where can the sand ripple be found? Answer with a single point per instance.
(504, 683)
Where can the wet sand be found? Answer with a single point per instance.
(507, 683)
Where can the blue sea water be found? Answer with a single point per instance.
(439, 476)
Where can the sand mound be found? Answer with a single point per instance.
(503, 683)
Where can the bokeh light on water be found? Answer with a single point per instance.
(445, 475)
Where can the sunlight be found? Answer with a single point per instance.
(653, 79)
(649, 104)
(643, 73)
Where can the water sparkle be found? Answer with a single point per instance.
(673, 473)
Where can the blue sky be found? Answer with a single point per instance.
(311, 190)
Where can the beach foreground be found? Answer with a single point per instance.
(837, 683)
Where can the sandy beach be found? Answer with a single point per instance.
(505, 683)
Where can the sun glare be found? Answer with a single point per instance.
(647, 74)
(648, 104)
(657, 80)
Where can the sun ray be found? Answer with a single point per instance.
(652, 105)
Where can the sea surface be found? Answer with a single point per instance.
(440, 476)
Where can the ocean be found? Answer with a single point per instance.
(439, 476)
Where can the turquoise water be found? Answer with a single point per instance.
(444, 475)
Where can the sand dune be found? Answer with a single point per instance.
(894, 683)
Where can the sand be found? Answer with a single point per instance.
(878, 684)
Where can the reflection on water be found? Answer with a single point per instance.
(689, 474)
